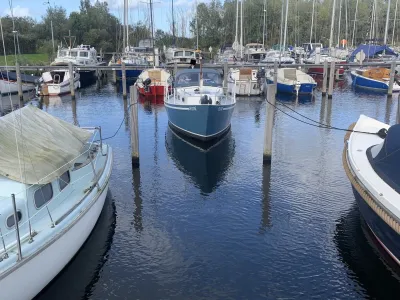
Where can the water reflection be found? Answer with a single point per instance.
(266, 206)
(286, 97)
(137, 214)
(84, 270)
(363, 257)
(206, 163)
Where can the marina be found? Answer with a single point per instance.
(230, 218)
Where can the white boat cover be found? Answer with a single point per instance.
(47, 145)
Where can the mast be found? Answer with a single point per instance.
(127, 25)
(281, 33)
(340, 20)
(387, 23)
(394, 21)
(285, 31)
(347, 25)
(312, 19)
(197, 29)
(173, 24)
(124, 27)
(152, 32)
(241, 29)
(265, 12)
(354, 25)
(332, 24)
(237, 21)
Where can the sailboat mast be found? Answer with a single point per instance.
(346, 3)
(281, 33)
(394, 22)
(340, 20)
(152, 32)
(237, 21)
(354, 25)
(173, 24)
(387, 23)
(312, 19)
(332, 24)
(124, 27)
(197, 29)
(265, 12)
(241, 29)
(285, 31)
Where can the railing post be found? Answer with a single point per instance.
(331, 79)
(16, 228)
(225, 74)
(325, 78)
(391, 80)
(19, 82)
(134, 126)
(175, 68)
(71, 80)
(4, 246)
(269, 123)
(123, 70)
(275, 73)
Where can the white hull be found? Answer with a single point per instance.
(60, 89)
(245, 88)
(7, 87)
(41, 268)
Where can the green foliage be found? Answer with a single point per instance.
(26, 59)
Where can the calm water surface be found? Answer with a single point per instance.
(213, 223)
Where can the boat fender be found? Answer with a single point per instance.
(204, 99)
(382, 133)
(146, 84)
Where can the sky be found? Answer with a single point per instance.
(138, 9)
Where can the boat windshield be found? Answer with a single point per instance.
(187, 79)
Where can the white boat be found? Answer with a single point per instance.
(293, 81)
(254, 51)
(245, 82)
(57, 82)
(154, 82)
(371, 163)
(181, 56)
(8, 82)
(275, 55)
(54, 180)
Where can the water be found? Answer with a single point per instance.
(216, 224)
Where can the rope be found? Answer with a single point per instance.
(381, 133)
(368, 198)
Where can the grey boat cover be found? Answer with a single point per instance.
(36, 148)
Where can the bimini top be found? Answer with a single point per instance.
(385, 158)
(372, 50)
(46, 145)
(191, 77)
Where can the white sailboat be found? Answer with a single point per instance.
(54, 179)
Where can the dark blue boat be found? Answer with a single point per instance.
(361, 81)
(292, 81)
(372, 167)
(198, 107)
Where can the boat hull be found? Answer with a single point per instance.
(305, 88)
(320, 71)
(371, 84)
(387, 237)
(11, 87)
(245, 88)
(202, 122)
(129, 73)
(154, 90)
(54, 258)
(58, 89)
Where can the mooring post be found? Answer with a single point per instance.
(19, 82)
(275, 73)
(123, 69)
(391, 81)
(175, 68)
(225, 74)
(337, 73)
(71, 80)
(134, 126)
(331, 79)
(269, 123)
(325, 78)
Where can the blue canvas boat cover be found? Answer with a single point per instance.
(13, 76)
(372, 50)
(386, 162)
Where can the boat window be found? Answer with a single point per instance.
(63, 53)
(43, 195)
(83, 54)
(178, 53)
(193, 79)
(10, 219)
(64, 180)
(189, 53)
(74, 53)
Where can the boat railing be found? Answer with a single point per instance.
(222, 93)
(48, 209)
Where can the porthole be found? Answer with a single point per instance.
(10, 222)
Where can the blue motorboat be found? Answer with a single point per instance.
(198, 106)
(373, 79)
(134, 63)
(292, 81)
(371, 163)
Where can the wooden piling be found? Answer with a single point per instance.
(331, 79)
(269, 123)
(325, 78)
(133, 124)
(275, 73)
(71, 80)
(337, 74)
(19, 82)
(225, 74)
(123, 68)
(391, 81)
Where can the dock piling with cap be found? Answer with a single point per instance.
(331, 79)
(391, 80)
(269, 123)
(134, 125)
(325, 78)
(123, 69)
(71, 80)
(19, 82)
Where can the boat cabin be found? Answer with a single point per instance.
(191, 77)
(80, 55)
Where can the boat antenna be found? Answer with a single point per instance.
(152, 32)
(173, 24)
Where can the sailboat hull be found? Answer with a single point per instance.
(305, 88)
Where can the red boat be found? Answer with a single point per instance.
(154, 83)
(320, 70)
